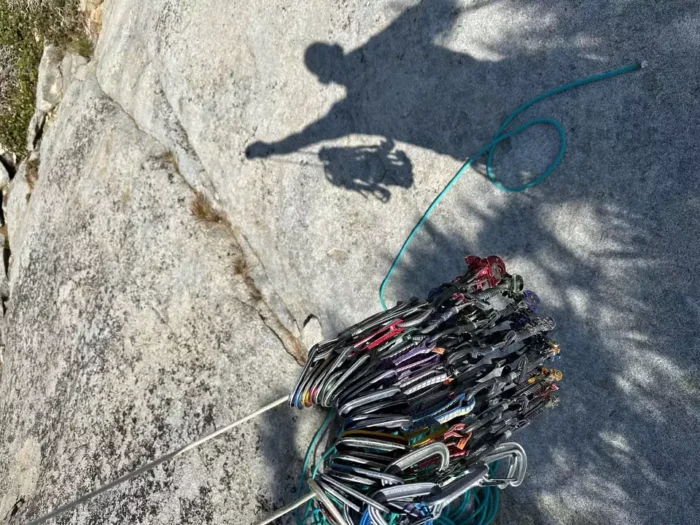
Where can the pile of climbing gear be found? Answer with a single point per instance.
(424, 397)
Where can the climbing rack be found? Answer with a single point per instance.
(423, 399)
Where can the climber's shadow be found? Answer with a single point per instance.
(402, 86)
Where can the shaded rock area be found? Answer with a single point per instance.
(322, 130)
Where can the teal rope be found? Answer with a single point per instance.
(305, 466)
(489, 148)
(462, 507)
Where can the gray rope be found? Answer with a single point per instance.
(153, 464)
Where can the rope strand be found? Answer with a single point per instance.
(154, 463)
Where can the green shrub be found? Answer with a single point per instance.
(81, 45)
(24, 29)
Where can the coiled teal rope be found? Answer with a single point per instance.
(489, 148)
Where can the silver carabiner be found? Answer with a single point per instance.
(517, 466)
(434, 449)
(399, 492)
(473, 477)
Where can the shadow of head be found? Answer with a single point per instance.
(326, 61)
(367, 169)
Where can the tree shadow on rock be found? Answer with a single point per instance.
(630, 390)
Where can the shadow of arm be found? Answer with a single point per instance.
(335, 124)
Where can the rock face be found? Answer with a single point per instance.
(48, 93)
(323, 130)
(50, 85)
(4, 177)
(73, 66)
(15, 209)
(129, 334)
